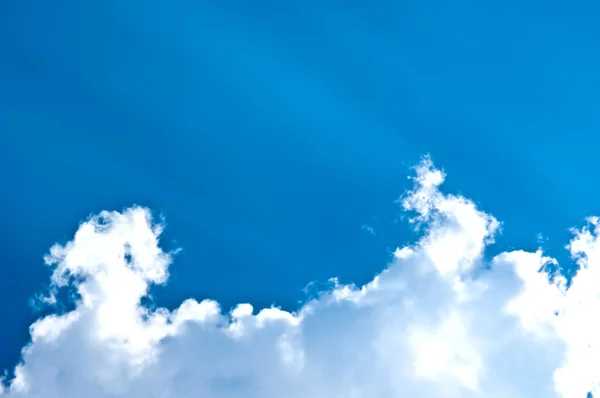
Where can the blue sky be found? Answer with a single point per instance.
(269, 134)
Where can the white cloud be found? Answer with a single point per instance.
(434, 323)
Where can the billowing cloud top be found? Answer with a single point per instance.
(440, 321)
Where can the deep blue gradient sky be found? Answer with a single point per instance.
(269, 133)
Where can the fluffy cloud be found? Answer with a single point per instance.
(439, 321)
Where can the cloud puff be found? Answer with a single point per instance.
(439, 321)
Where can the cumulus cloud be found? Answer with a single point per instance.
(438, 321)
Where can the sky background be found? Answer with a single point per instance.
(271, 134)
